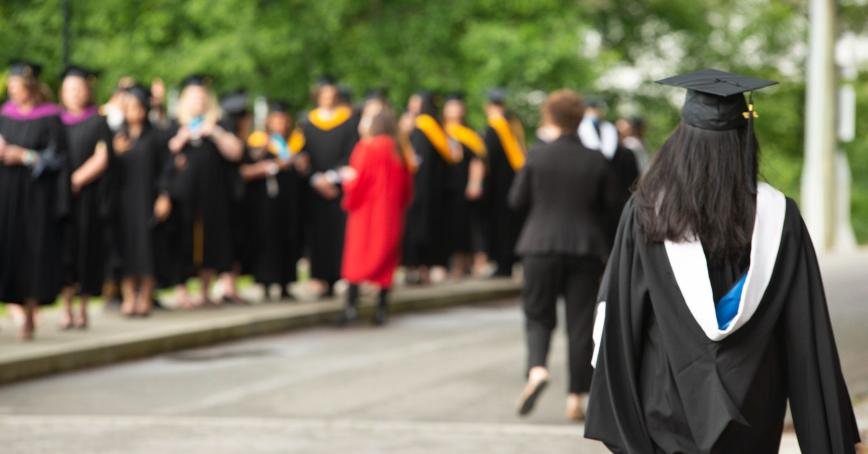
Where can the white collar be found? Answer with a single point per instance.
(688, 263)
(606, 142)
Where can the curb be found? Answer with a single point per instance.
(277, 319)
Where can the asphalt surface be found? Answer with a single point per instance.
(434, 382)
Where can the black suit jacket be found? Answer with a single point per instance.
(571, 195)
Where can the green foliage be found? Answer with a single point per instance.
(278, 47)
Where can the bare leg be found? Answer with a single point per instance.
(183, 297)
(82, 322)
(146, 293)
(29, 325)
(128, 290)
(67, 295)
(205, 277)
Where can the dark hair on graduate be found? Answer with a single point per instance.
(701, 183)
(430, 104)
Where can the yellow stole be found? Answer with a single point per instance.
(435, 134)
(340, 115)
(260, 139)
(513, 148)
(467, 137)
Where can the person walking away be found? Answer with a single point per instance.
(712, 313)
(566, 189)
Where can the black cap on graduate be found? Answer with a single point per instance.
(377, 93)
(457, 95)
(141, 93)
(326, 79)
(345, 93)
(278, 106)
(79, 71)
(26, 68)
(197, 79)
(496, 95)
(715, 101)
(234, 103)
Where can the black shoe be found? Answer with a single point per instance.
(381, 316)
(350, 315)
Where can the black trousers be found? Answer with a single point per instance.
(576, 278)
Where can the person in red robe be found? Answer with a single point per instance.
(377, 189)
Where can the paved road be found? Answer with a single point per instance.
(436, 382)
(430, 383)
(442, 382)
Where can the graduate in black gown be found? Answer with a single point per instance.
(237, 119)
(34, 191)
(204, 184)
(598, 134)
(272, 201)
(88, 140)
(712, 313)
(464, 188)
(330, 133)
(426, 237)
(140, 201)
(504, 140)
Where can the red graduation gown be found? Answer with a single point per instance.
(375, 203)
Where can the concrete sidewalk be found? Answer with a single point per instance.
(113, 338)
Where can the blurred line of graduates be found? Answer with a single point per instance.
(129, 194)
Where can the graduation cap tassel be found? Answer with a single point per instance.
(749, 158)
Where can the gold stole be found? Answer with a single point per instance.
(340, 115)
(467, 137)
(261, 139)
(435, 134)
(511, 145)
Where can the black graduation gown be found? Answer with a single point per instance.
(426, 226)
(272, 208)
(460, 208)
(661, 385)
(328, 150)
(504, 224)
(203, 188)
(625, 169)
(33, 202)
(139, 175)
(86, 237)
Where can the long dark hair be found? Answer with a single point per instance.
(702, 183)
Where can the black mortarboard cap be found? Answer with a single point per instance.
(454, 96)
(234, 103)
(141, 93)
(715, 99)
(277, 106)
(78, 71)
(326, 79)
(496, 95)
(345, 93)
(21, 67)
(377, 93)
(197, 79)
(595, 102)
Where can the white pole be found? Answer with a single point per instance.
(818, 174)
